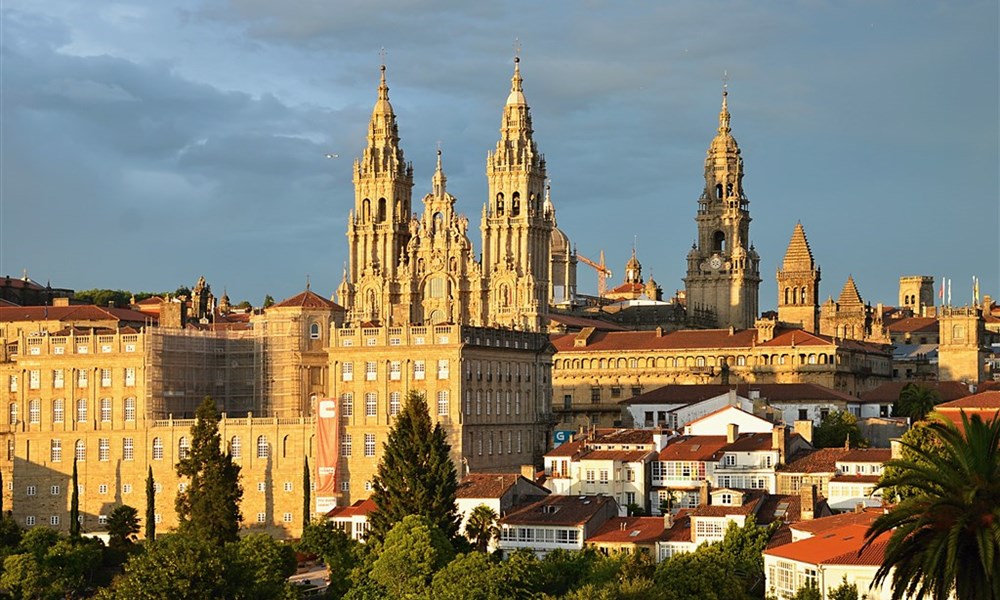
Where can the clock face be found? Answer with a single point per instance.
(716, 262)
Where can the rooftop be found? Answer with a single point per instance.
(558, 510)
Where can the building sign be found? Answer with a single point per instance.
(327, 454)
(561, 436)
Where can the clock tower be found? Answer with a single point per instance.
(723, 269)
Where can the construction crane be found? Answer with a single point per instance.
(603, 273)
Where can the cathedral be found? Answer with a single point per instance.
(410, 269)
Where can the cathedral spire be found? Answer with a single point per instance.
(724, 112)
(439, 180)
(799, 255)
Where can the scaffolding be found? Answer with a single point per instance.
(186, 365)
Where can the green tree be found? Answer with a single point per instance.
(744, 547)
(705, 573)
(306, 492)
(946, 536)
(98, 297)
(561, 571)
(49, 566)
(268, 301)
(474, 576)
(916, 400)
(835, 430)
(150, 505)
(179, 567)
(338, 550)
(416, 475)
(74, 504)
(809, 591)
(844, 591)
(916, 445)
(481, 527)
(267, 564)
(413, 551)
(210, 506)
(123, 525)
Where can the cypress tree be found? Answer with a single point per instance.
(210, 506)
(416, 475)
(150, 506)
(306, 494)
(74, 505)
(1, 493)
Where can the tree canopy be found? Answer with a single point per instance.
(414, 549)
(416, 475)
(944, 536)
(836, 429)
(916, 400)
(210, 506)
(123, 525)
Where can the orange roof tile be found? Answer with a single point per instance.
(875, 455)
(773, 392)
(833, 547)
(698, 448)
(490, 485)
(823, 460)
(359, 508)
(558, 510)
(988, 399)
(307, 299)
(914, 325)
(635, 530)
(76, 312)
(818, 526)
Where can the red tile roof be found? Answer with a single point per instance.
(558, 510)
(700, 448)
(869, 455)
(751, 499)
(490, 485)
(823, 460)
(635, 530)
(989, 399)
(889, 391)
(650, 340)
(773, 392)
(834, 547)
(307, 299)
(818, 526)
(77, 312)
(359, 508)
(914, 325)
(620, 455)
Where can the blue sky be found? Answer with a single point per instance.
(147, 143)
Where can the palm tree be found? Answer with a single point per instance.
(481, 527)
(916, 400)
(946, 536)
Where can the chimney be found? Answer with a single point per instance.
(859, 508)
(805, 429)
(779, 442)
(60, 302)
(732, 432)
(733, 400)
(703, 498)
(623, 525)
(528, 472)
(808, 498)
(668, 520)
(659, 330)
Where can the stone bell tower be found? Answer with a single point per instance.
(723, 269)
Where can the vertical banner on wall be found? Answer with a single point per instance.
(327, 446)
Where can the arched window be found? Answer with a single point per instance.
(729, 189)
(499, 205)
(381, 210)
(438, 222)
(718, 191)
(719, 241)
(700, 361)
(235, 447)
(157, 449)
(284, 447)
(183, 448)
(366, 209)
(436, 287)
(812, 359)
(263, 450)
(81, 410)
(802, 296)
(741, 361)
(80, 450)
(515, 204)
(795, 296)
(314, 332)
(787, 294)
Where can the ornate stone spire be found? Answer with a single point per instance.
(383, 154)
(439, 180)
(849, 295)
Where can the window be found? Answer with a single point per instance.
(730, 460)
(803, 414)
(347, 371)
(182, 487)
(288, 486)
(183, 448)
(12, 412)
(489, 401)
(105, 410)
(595, 395)
(395, 369)
(55, 450)
(507, 402)
(57, 379)
(126, 488)
(314, 332)
(262, 517)
(29, 520)
(81, 378)
(34, 379)
(371, 370)
(128, 449)
(236, 447)
(58, 410)
(130, 376)
(34, 411)
(263, 449)
(130, 409)
(261, 487)
(157, 488)
(54, 490)
(604, 476)
(105, 377)
(726, 499)
(345, 446)
(443, 368)
(418, 370)
(590, 476)
(81, 410)
(371, 404)
(30, 491)
(394, 403)
(157, 449)
(80, 450)
(345, 486)
(102, 519)
(54, 520)
(442, 399)
(616, 391)
(518, 442)
(479, 402)
(369, 444)
(287, 518)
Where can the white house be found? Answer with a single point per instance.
(859, 472)
(555, 522)
(501, 492)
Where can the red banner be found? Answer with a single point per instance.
(327, 454)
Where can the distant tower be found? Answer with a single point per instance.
(517, 225)
(963, 348)
(633, 270)
(562, 274)
(798, 284)
(378, 227)
(723, 270)
(916, 292)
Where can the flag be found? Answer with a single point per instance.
(941, 293)
(949, 292)
(975, 290)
